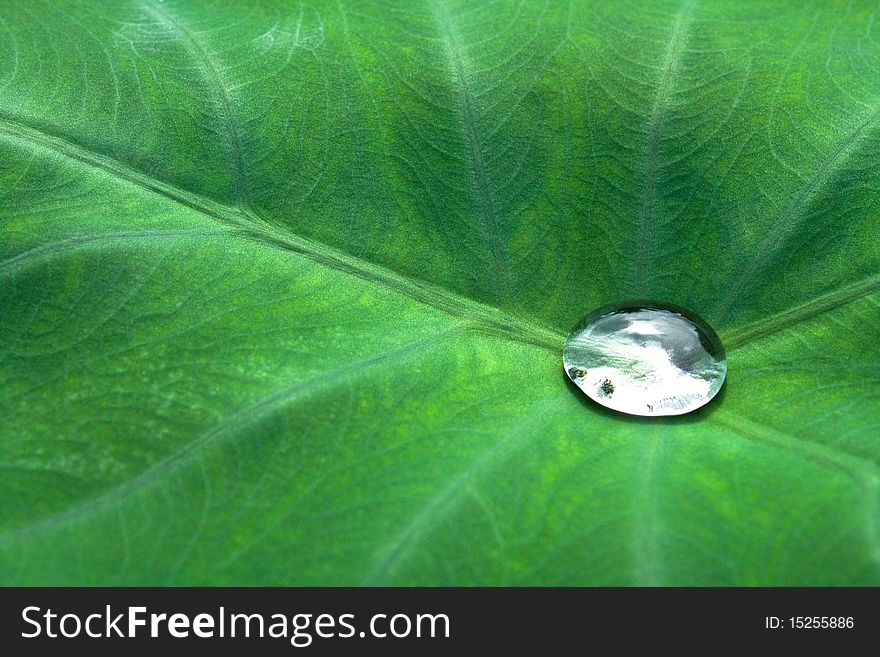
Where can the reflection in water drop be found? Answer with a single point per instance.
(645, 358)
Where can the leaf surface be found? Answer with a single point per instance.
(284, 288)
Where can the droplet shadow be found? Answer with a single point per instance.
(698, 415)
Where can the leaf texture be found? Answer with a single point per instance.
(284, 288)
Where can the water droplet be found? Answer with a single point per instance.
(645, 358)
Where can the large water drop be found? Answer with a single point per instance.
(646, 358)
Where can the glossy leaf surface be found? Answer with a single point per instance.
(284, 289)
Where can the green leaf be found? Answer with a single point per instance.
(284, 288)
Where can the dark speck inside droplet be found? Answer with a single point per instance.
(576, 373)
